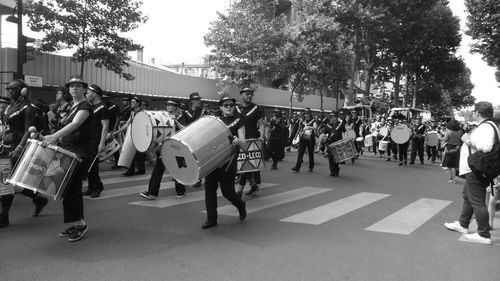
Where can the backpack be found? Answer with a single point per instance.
(486, 165)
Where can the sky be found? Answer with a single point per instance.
(175, 29)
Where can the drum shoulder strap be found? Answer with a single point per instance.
(98, 108)
(251, 111)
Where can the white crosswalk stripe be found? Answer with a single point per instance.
(261, 203)
(121, 179)
(411, 217)
(335, 209)
(190, 197)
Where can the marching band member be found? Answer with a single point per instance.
(307, 140)
(417, 141)
(100, 127)
(431, 149)
(63, 98)
(114, 123)
(194, 112)
(159, 169)
(276, 137)
(75, 136)
(224, 175)
(358, 123)
(403, 149)
(375, 126)
(252, 116)
(335, 134)
(140, 157)
(18, 118)
(392, 146)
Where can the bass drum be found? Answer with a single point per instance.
(400, 134)
(150, 128)
(128, 151)
(197, 150)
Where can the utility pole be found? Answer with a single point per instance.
(20, 41)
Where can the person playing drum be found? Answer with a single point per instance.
(75, 137)
(307, 140)
(159, 169)
(335, 134)
(225, 174)
(18, 118)
(417, 141)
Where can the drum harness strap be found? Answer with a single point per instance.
(17, 112)
(99, 108)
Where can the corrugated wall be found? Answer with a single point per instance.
(149, 80)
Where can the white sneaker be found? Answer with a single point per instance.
(455, 226)
(475, 237)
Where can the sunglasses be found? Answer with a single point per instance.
(228, 105)
(10, 88)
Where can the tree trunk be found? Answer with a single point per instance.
(397, 78)
(349, 98)
(368, 81)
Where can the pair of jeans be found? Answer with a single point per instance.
(303, 145)
(474, 194)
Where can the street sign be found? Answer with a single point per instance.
(33, 81)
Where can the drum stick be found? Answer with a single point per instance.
(95, 158)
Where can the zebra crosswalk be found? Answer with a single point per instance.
(402, 221)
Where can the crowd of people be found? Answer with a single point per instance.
(84, 119)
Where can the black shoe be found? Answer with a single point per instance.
(400, 163)
(127, 174)
(148, 195)
(96, 193)
(208, 224)
(67, 232)
(87, 192)
(141, 172)
(243, 211)
(4, 220)
(40, 202)
(253, 190)
(77, 233)
(295, 169)
(273, 167)
(422, 162)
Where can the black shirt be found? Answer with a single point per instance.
(233, 123)
(82, 136)
(336, 132)
(126, 114)
(100, 113)
(114, 114)
(18, 118)
(251, 115)
(61, 115)
(193, 115)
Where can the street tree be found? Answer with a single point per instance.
(94, 28)
(244, 43)
(483, 23)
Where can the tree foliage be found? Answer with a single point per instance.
(483, 22)
(94, 28)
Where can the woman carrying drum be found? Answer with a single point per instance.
(225, 174)
(75, 137)
(19, 117)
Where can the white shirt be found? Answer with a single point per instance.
(481, 139)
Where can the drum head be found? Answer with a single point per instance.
(400, 134)
(432, 139)
(180, 161)
(351, 133)
(384, 131)
(142, 131)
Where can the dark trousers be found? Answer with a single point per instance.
(226, 180)
(155, 180)
(474, 195)
(73, 198)
(417, 146)
(403, 151)
(303, 145)
(275, 148)
(432, 152)
(334, 166)
(95, 182)
(392, 147)
(139, 161)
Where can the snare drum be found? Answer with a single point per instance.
(128, 151)
(369, 140)
(150, 128)
(382, 145)
(360, 141)
(197, 150)
(384, 131)
(400, 134)
(342, 150)
(250, 157)
(5, 188)
(44, 169)
(111, 148)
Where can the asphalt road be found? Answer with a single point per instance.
(377, 221)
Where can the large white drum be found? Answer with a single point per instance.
(432, 139)
(197, 150)
(128, 151)
(150, 128)
(384, 131)
(400, 134)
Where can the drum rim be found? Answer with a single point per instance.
(400, 127)
(57, 149)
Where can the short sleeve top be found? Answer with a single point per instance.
(81, 136)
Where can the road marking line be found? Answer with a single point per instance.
(116, 192)
(169, 201)
(262, 203)
(495, 233)
(411, 217)
(335, 209)
(123, 179)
